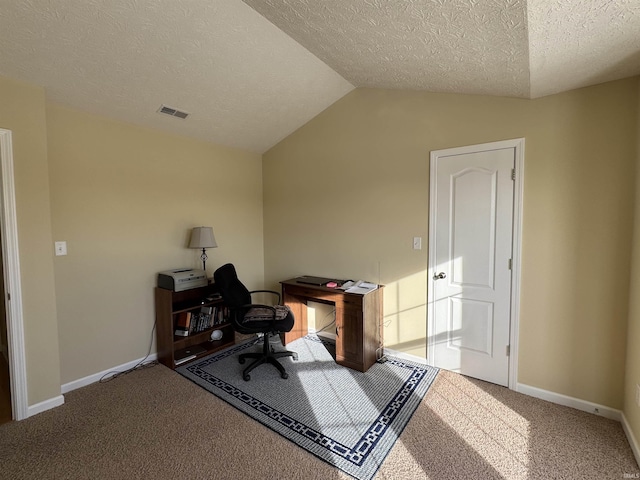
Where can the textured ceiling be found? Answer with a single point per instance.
(498, 47)
(470, 46)
(252, 72)
(576, 43)
(244, 82)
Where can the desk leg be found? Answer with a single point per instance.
(299, 309)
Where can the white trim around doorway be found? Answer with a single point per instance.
(13, 291)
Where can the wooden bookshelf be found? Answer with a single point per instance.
(169, 305)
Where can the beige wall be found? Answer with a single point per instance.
(22, 111)
(124, 199)
(345, 194)
(632, 379)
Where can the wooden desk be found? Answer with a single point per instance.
(358, 320)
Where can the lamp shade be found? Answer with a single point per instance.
(202, 237)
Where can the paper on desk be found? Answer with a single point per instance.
(361, 287)
(347, 284)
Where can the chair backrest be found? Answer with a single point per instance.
(233, 292)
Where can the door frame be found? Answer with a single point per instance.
(518, 193)
(13, 290)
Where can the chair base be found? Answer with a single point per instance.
(266, 356)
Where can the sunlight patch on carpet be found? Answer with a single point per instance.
(495, 432)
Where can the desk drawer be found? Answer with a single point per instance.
(315, 295)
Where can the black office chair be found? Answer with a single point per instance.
(247, 317)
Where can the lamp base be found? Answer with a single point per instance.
(204, 258)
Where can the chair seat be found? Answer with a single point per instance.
(256, 314)
(264, 326)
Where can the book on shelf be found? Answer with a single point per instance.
(194, 324)
(183, 324)
(206, 314)
(220, 315)
(201, 320)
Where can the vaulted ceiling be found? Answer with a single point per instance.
(250, 73)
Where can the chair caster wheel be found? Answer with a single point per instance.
(285, 375)
(246, 377)
(294, 356)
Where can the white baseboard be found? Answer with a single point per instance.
(405, 356)
(67, 387)
(572, 402)
(44, 406)
(83, 382)
(631, 438)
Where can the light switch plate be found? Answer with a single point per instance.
(417, 243)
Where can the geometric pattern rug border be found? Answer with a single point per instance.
(360, 460)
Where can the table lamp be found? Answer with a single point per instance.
(202, 237)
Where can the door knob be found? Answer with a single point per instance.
(440, 276)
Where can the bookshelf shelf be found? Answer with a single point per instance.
(173, 348)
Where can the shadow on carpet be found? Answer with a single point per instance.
(347, 418)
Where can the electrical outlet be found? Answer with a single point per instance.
(61, 248)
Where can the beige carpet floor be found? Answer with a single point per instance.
(155, 424)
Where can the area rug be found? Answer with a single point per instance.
(347, 418)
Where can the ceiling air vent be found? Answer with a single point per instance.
(173, 112)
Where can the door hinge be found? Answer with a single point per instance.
(508, 350)
(510, 264)
(513, 174)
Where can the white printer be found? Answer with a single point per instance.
(182, 279)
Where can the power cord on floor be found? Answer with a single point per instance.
(138, 366)
(380, 356)
(333, 322)
(326, 327)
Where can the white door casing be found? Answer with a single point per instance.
(13, 291)
(474, 258)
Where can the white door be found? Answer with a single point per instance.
(471, 253)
